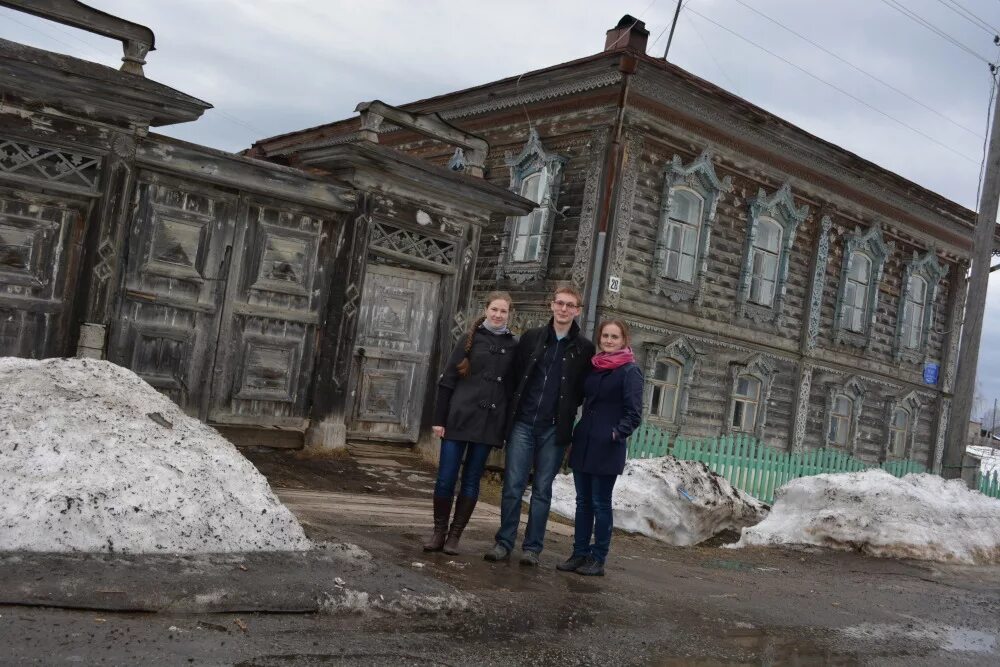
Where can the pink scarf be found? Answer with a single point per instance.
(608, 361)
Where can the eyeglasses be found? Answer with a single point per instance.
(558, 303)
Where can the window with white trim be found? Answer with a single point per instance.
(771, 226)
(665, 389)
(841, 415)
(765, 253)
(746, 403)
(899, 432)
(529, 229)
(914, 305)
(681, 239)
(855, 304)
(535, 174)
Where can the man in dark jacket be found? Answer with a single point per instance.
(550, 366)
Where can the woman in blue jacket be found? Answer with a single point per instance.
(612, 409)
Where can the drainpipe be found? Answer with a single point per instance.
(615, 159)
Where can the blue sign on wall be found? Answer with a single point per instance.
(931, 373)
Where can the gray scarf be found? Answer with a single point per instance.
(495, 330)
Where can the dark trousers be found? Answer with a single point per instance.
(452, 454)
(593, 514)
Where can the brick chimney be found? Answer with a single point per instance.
(630, 33)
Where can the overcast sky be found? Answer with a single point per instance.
(273, 66)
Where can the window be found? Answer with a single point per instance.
(840, 420)
(899, 431)
(665, 390)
(771, 226)
(913, 312)
(764, 262)
(535, 174)
(855, 305)
(688, 202)
(746, 404)
(864, 259)
(681, 238)
(529, 228)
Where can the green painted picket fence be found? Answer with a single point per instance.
(750, 465)
(989, 484)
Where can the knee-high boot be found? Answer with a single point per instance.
(442, 510)
(463, 511)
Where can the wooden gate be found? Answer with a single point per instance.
(40, 242)
(392, 359)
(228, 334)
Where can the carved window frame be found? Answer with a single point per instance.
(681, 352)
(912, 404)
(931, 271)
(855, 390)
(781, 208)
(700, 178)
(871, 244)
(533, 159)
(760, 368)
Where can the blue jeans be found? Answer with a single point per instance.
(593, 514)
(452, 453)
(528, 446)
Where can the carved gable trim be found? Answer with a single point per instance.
(925, 266)
(532, 159)
(781, 208)
(873, 246)
(700, 178)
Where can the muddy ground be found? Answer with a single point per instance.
(658, 605)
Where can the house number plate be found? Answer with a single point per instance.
(614, 284)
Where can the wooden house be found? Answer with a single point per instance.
(776, 284)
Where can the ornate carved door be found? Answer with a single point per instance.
(223, 317)
(40, 241)
(395, 335)
(179, 248)
(274, 305)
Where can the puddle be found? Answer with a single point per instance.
(934, 637)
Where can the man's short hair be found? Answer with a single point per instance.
(568, 288)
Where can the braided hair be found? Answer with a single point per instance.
(463, 367)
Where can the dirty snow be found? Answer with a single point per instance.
(350, 601)
(919, 516)
(677, 502)
(94, 459)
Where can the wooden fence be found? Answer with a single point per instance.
(750, 465)
(989, 484)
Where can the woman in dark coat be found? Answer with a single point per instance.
(612, 409)
(470, 417)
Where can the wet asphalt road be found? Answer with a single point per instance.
(657, 606)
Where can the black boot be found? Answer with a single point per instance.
(463, 510)
(442, 511)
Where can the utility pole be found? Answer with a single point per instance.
(670, 37)
(975, 305)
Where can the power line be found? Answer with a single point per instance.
(708, 50)
(888, 85)
(837, 88)
(973, 17)
(958, 11)
(940, 33)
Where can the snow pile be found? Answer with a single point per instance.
(94, 459)
(677, 502)
(919, 516)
